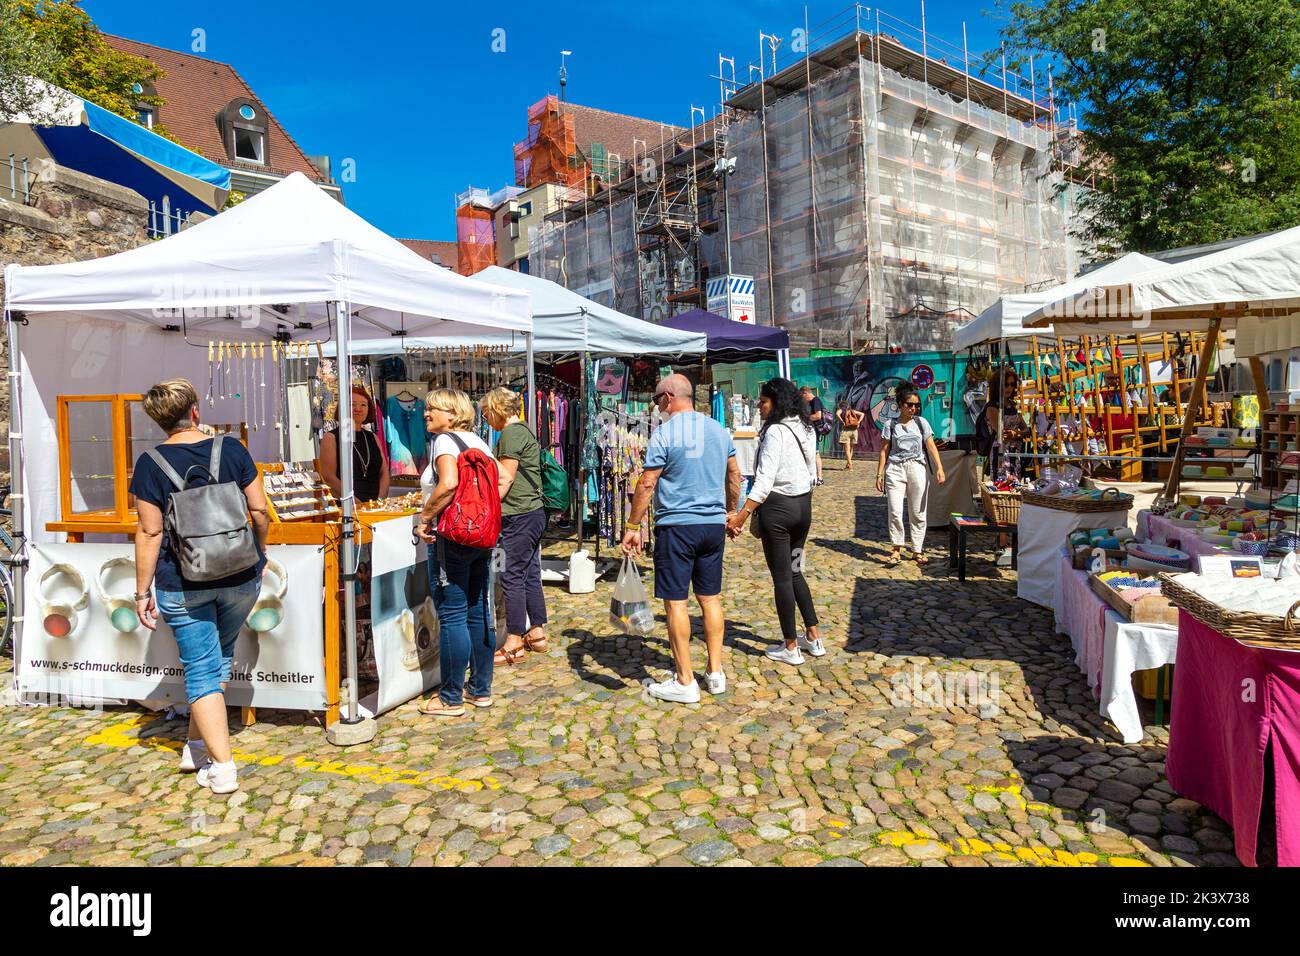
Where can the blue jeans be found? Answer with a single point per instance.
(206, 625)
(466, 636)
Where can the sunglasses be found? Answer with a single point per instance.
(659, 395)
(911, 404)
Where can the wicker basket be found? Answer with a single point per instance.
(1000, 507)
(1266, 631)
(1107, 502)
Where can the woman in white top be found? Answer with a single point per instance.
(458, 575)
(905, 441)
(784, 475)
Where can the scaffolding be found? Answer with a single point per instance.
(881, 188)
(550, 152)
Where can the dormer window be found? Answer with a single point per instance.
(244, 127)
(145, 115)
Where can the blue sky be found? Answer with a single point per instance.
(414, 93)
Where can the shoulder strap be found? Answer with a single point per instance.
(214, 464)
(460, 442)
(167, 469)
(802, 451)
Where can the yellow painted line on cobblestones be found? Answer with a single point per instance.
(1016, 790)
(1034, 856)
(127, 734)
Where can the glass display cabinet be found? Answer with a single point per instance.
(100, 437)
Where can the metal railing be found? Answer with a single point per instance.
(164, 220)
(20, 178)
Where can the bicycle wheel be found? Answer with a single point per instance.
(6, 608)
(6, 540)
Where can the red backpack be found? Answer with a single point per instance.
(473, 518)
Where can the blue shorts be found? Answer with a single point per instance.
(206, 625)
(686, 556)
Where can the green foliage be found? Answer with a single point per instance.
(1190, 111)
(22, 55)
(57, 41)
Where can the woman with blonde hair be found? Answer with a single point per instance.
(523, 522)
(458, 575)
(205, 616)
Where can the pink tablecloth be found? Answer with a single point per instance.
(1234, 708)
(1081, 615)
(1163, 531)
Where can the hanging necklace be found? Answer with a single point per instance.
(363, 450)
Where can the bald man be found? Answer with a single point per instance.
(691, 472)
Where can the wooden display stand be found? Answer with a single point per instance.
(323, 534)
(1280, 434)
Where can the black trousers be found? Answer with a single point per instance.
(785, 524)
(521, 579)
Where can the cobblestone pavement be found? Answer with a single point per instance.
(947, 725)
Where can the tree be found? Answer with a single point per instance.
(22, 55)
(56, 41)
(1189, 110)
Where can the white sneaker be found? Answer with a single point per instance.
(678, 693)
(812, 646)
(193, 755)
(716, 683)
(786, 655)
(219, 778)
(1004, 559)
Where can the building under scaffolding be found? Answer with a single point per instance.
(880, 190)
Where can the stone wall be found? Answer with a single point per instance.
(71, 217)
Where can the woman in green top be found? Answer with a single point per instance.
(523, 522)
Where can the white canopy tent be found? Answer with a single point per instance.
(1260, 278)
(564, 322)
(290, 262)
(1004, 319)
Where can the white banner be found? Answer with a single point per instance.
(403, 621)
(283, 668)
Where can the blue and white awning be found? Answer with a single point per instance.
(80, 135)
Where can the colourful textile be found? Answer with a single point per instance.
(1233, 709)
(408, 442)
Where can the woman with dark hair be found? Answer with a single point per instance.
(369, 469)
(905, 442)
(780, 503)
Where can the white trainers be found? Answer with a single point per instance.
(193, 755)
(678, 693)
(811, 645)
(1004, 559)
(786, 655)
(716, 683)
(219, 777)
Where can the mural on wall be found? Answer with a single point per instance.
(867, 382)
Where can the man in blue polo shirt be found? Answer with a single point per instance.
(691, 472)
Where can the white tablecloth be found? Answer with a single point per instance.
(1043, 532)
(1130, 648)
(746, 455)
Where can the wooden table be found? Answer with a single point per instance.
(961, 525)
(327, 535)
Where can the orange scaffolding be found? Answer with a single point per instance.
(476, 246)
(550, 153)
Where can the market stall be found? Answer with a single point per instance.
(1236, 697)
(286, 269)
(566, 328)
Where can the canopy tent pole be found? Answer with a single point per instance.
(18, 560)
(347, 537)
(531, 403)
(1189, 412)
(580, 490)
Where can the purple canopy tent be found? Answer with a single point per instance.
(734, 341)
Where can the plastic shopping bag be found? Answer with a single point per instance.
(629, 608)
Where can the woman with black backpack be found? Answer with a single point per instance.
(780, 504)
(204, 612)
(523, 522)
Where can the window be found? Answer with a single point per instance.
(244, 125)
(144, 116)
(249, 144)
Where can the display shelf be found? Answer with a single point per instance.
(1282, 424)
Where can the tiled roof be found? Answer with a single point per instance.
(443, 253)
(616, 131)
(195, 91)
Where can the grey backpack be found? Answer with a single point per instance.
(207, 526)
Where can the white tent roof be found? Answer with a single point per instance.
(1004, 318)
(1260, 277)
(564, 322)
(290, 246)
